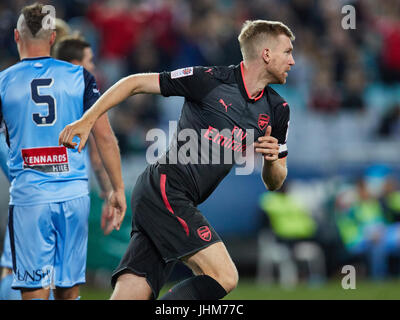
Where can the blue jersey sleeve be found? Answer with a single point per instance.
(91, 92)
(1, 115)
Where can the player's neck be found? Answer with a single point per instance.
(254, 78)
(34, 52)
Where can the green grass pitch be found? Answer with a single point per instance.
(248, 290)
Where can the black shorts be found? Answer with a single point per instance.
(166, 226)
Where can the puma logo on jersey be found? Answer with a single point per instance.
(224, 104)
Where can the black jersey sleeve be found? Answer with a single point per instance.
(281, 128)
(192, 83)
(91, 93)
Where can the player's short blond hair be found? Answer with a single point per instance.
(256, 31)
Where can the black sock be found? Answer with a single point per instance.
(196, 288)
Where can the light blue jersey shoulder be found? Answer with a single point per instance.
(39, 97)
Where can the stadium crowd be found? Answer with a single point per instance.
(352, 221)
(335, 69)
(334, 66)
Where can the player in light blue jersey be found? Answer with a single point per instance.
(49, 202)
(77, 51)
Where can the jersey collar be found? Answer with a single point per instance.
(242, 84)
(36, 58)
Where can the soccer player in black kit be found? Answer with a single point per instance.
(166, 224)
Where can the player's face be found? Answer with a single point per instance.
(87, 60)
(281, 59)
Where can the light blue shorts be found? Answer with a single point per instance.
(49, 243)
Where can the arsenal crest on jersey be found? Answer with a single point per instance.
(263, 120)
(204, 233)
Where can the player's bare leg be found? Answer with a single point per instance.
(5, 272)
(131, 287)
(42, 294)
(66, 293)
(6, 291)
(215, 275)
(215, 262)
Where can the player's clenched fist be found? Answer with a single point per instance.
(79, 128)
(267, 145)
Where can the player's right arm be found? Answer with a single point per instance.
(124, 88)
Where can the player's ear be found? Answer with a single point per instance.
(75, 61)
(16, 35)
(266, 55)
(53, 38)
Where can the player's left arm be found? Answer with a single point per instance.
(274, 173)
(272, 146)
(274, 170)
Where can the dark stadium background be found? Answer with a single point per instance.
(344, 95)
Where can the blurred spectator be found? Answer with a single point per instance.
(286, 216)
(290, 241)
(389, 126)
(365, 231)
(309, 13)
(133, 120)
(353, 91)
(387, 22)
(390, 200)
(118, 25)
(146, 56)
(324, 95)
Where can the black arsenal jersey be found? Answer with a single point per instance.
(218, 120)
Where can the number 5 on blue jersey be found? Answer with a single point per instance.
(51, 118)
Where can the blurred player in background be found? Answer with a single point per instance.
(76, 50)
(62, 30)
(49, 203)
(80, 53)
(167, 226)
